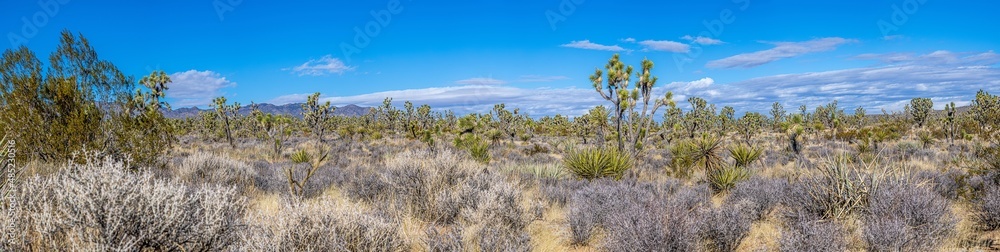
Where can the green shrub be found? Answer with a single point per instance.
(743, 155)
(722, 179)
(598, 163)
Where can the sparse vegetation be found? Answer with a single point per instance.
(420, 179)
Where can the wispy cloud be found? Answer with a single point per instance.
(935, 58)
(702, 40)
(665, 45)
(319, 67)
(481, 81)
(540, 78)
(196, 88)
(586, 44)
(879, 87)
(628, 40)
(781, 50)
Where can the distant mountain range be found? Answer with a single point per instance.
(293, 109)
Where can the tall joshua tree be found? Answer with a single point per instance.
(613, 85)
(227, 114)
(920, 109)
(317, 115)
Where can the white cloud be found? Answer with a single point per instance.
(874, 88)
(702, 40)
(937, 58)
(481, 81)
(323, 66)
(665, 45)
(196, 88)
(540, 78)
(781, 50)
(628, 40)
(586, 44)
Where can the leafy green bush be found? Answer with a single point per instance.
(598, 163)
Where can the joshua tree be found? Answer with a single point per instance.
(920, 109)
(859, 116)
(749, 125)
(631, 126)
(950, 122)
(228, 115)
(986, 112)
(777, 114)
(317, 115)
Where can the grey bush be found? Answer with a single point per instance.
(321, 226)
(729, 224)
(907, 217)
(987, 208)
(762, 194)
(444, 239)
(203, 167)
(639, 216)
(807, 234)
(100, 205)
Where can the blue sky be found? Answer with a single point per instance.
(535, 55)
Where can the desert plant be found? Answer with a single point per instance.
(987, 208)
(631, 126)
(598, 163)
(905, 217)
(744, 155)
(762, 194)
(212, 168)
(275, 129)
(729, 224)
(807, 234)
(98, 203)
(297, 183)
(750, 125)
(228, 115)
(704, 152)
(722, 179)
(843, 187)
(920, 109)
(321, 226)
(926, 139)
(317, 116)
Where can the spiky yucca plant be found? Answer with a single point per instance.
(723, 179)
(704, 151)
(598, 163)
(743, 155)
